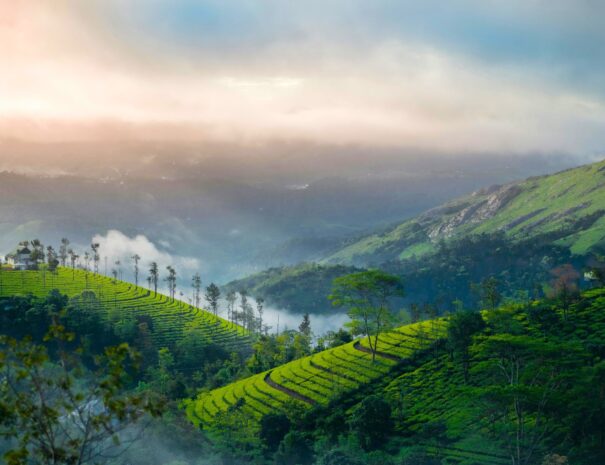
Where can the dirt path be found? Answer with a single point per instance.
(290, 392)
(361, 348)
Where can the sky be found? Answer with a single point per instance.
(512, 76)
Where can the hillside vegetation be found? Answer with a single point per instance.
(114, 300)
(567, 207)
(518, 233)
(317, 379)
(522, 384)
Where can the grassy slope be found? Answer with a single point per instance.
(316, 379)
(117, 297)
(428, 390)
(557, 203)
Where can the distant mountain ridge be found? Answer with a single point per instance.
(568, 206)
(517, 232)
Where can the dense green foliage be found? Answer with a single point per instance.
(520, 384)
(517, 233)
(451, 272)
(300, 289)
(181, 346)
(314, 380)
(53, 411)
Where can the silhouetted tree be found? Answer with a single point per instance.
(196, 282)
(135, 259)
(154, 275)
(213, 294)
(367, 296)
(63, 251)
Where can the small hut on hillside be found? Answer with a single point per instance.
(20, 259)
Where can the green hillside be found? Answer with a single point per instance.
(567, 207)
(517, 233)
(439, 414)
(317, 379)
(114, 298)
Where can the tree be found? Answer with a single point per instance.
(246, 310)
(55, 413)
(525, 378)
(260, 309)
(213, 294)
(171, 281)
(95, 255)
(118, 264)
(73, 258)
(63, 251)
(367, 295)
(305, 325)
(135, 259)
(461, 328)
(294, 449)
(371, 421)
(196, 282)
(37, 253)
(51, 258)
(231, 299)
(273, 428)
(154, 276)
(415, 313)
(565, 286)
(489, 292)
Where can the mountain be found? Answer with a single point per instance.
(567, 207)
(235, 215)
(518, 232)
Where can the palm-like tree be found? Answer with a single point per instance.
(154, 276)
(136, 259)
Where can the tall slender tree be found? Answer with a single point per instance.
(154, 275)
(196, 282)
(231, 298)
(135, 259)
(63, 251)
(260, 308)
(171, 280)
(213, 294)
(118, 264)
(244, 305)
(37, 253)
(95, 255)
(51, 258)
(73, 258)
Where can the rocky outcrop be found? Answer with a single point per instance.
(487, 207)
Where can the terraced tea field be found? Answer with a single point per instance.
(318, 378)
(169, 318)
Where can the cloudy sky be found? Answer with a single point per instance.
(514, 75)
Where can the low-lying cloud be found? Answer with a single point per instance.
(116, 245)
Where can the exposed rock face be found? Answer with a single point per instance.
(477, 212)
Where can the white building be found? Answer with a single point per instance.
(20, 259)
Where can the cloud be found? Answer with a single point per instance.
(510, 76)
(117, 246)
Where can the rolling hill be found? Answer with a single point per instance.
(318, 378)
(168, 319)
(567, 207)
(517, 232)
